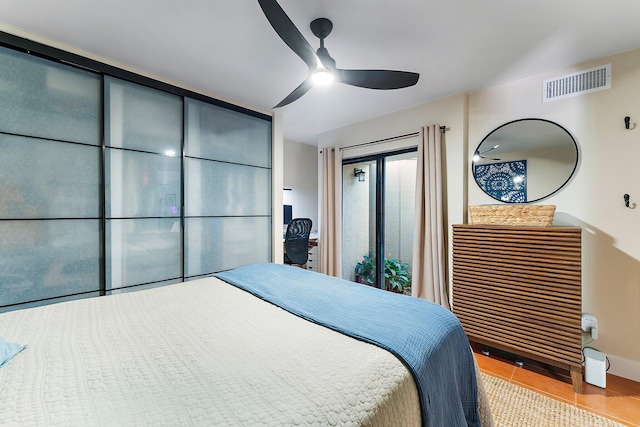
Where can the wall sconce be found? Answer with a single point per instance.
(359, 173)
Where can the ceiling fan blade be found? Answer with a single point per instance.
(288, 32)
(297, 93)
(377, 79)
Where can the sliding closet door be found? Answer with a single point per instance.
(101, 193)
(227, 189)
(143, 195)
(50, 181)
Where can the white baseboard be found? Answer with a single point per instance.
(625, 368)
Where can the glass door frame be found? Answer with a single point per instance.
(380, 159)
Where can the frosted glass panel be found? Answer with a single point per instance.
(216, 244)
(140, 118)
(48, 179)
(219, 134)
(142, 251)
(143, 287)
(50, 258)
(217, 189)
(142, 184)
(48, 99)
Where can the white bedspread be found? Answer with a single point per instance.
(197, 353)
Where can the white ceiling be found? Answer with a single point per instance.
(228, 49)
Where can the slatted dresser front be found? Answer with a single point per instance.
(519, 289)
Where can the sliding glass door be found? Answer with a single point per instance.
(378, 207)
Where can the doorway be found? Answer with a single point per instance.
(378, 208)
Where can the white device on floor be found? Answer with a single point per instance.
(595, 367)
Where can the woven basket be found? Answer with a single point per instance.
(525, 215)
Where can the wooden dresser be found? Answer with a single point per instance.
(519, 289)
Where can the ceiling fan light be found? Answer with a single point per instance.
(322, 77)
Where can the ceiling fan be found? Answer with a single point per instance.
(322, 67)
(481, 154)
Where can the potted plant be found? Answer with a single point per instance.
(366, 270)
(397, 277)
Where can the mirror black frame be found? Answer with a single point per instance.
(493, 132)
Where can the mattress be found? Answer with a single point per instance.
(196, 353)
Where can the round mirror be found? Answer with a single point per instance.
(525, 160)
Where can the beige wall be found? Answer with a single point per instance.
(593, 199)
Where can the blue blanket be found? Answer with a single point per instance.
(427, 338)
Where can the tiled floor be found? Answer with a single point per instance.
(620, 401)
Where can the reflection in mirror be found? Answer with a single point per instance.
(525, 160)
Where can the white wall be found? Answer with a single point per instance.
(300, 170)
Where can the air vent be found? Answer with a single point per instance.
(585, 81)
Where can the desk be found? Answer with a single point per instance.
(312, 262)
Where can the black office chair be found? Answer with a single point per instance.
(296, 241)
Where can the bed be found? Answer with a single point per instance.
(263, 344)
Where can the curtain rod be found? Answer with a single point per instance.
(393, 138)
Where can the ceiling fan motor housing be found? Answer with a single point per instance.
(321, 27)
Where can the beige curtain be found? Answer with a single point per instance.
(429, 276)
(331, 229)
